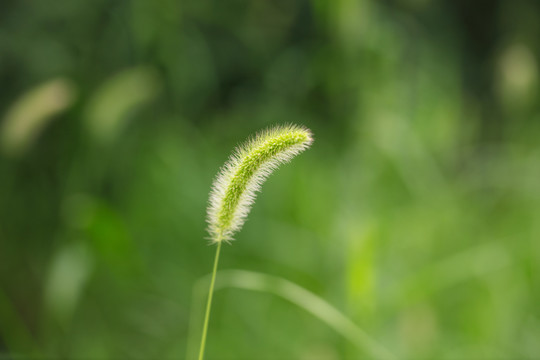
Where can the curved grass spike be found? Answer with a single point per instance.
(235, 187)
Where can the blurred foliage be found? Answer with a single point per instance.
(416, 213)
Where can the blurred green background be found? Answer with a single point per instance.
(416, 213)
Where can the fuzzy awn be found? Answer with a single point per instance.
(237, 183)
(235, 187)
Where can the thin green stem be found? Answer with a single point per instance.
(209, 303)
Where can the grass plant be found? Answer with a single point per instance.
(236, 186)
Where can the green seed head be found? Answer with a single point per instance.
(238, 181)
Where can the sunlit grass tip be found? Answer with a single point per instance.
(237, 183)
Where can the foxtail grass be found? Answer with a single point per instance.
(236, 186)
